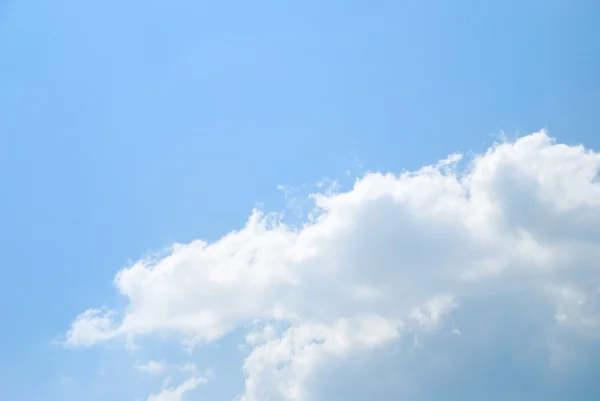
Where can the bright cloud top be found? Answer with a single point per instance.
(396, 255)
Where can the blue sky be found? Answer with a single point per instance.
(126, 127)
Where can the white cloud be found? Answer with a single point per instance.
(158, 367)
(279, 368)
(189, 367)
(152, 367)
(176, 393)
(90, 327)
(429, 315)
(393, 255)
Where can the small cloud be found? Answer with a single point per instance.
(152, 367)
(189, 367)
(176, 393)
(261, 336)
(92, 326)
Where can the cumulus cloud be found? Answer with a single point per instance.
(515, 235)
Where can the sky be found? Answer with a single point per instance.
(299, 201)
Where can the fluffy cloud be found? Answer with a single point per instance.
(515, 235)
